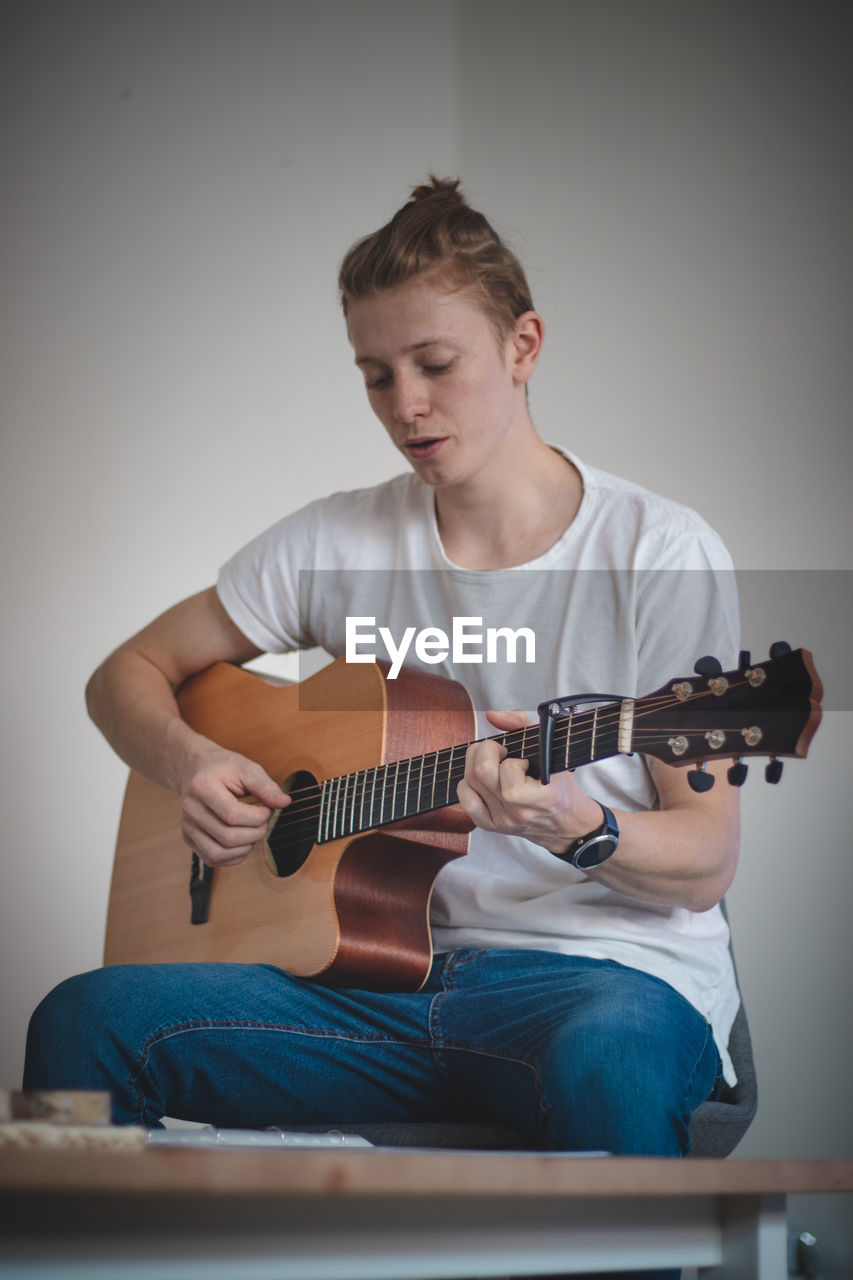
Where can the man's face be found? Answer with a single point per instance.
(438, 378)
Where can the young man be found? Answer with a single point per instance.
(587, 1002)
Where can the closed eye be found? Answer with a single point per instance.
(384, 379)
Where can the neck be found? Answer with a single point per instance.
(355, 802)
(512, 512)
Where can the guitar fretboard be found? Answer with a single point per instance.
(370, 798)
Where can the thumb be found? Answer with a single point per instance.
(259, 784)
(508, 719)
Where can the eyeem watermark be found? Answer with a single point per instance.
(464, 644)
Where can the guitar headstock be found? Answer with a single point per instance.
(769, 708)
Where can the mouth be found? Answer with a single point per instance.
(423, 446)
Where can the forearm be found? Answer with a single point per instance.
(682, 853)
(133, 704)
(131, 698)
(680, 856)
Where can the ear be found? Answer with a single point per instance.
(525, 343)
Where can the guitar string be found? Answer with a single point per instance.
(302, 813)
(512, 738)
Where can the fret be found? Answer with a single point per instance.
(336, 789)
(458, 772)
(330, 817)
(382, 795)
(324, 808)
(449, 776)
(584, 736)
(406, 809)
(394, 789)
(592, 738)
(361, 805)
(327, 791)
(342, 805)
(373, 822)
(436, 755)
(352, 826)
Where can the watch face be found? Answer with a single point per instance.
(597, 851)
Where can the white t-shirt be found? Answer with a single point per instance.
(636, 589)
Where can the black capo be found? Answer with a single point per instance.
(557, 709)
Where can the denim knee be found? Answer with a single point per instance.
(69, 1030)
(625, 1076)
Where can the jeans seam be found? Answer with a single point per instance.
(452, 961)
(441, 1045)
(709, 1034)
(241, 1024)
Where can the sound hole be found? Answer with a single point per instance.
(292, 836)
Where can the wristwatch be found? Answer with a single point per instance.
(596, 847)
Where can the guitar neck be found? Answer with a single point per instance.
(370, 798)
(769, 708)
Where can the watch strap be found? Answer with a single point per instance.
(597, 846)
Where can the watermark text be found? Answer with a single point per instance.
(468, 642)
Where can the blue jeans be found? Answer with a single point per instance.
(581, 1054)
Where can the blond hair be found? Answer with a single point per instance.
(438, 236)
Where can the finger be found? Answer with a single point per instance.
(212, 793)
(515, 786)
(474, 805)
(259, 784)
(210, 850)
(212, 856)
(197, 818)
(482, 767)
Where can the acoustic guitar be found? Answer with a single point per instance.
(340, 888)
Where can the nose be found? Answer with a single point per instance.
(410, 399)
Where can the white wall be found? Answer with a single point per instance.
(677, 178)
(186, 177)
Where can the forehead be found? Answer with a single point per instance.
(415, 314)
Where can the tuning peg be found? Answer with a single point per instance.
(773, 772)
(707, 666)
(779, 649)
(737, 774)
(744, 662)
(699, 779)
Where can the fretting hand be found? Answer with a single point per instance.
(497, 794)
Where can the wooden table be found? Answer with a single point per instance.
(356, 1214)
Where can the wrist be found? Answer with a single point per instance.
(586, 816)
(186, 753)
(598, 843)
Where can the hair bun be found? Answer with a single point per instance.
(444, 188)
(437, 236)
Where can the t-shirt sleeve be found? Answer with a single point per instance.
(687, 607)
(259, 586)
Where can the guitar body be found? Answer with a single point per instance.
(356, 911)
